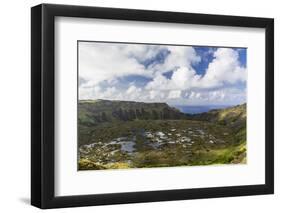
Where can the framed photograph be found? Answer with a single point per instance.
(139, 106)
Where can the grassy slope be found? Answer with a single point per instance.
(233, 119)
(92, 112)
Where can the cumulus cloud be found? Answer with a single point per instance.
(182, 78)
(173, 94)
(99, 61)
(224, 69)
(179, 57)
(171, 77)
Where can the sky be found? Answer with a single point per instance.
(177, 75)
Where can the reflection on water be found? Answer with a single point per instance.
(150, 140)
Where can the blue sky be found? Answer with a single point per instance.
(178, 75)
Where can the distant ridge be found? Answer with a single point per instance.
(100, 110)
(234, 117)
(97, 111)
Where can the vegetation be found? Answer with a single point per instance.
(121, 134)
(99, 111)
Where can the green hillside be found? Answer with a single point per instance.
(234, 117)
(98, 111)
(125, 134)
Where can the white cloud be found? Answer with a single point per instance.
(160, 82)
(110, 92)
(156, 95)
(133, 93)
(141, 52)
(220, 97)
(132, 89)
(99, 62)
(185, 78)
(224, 69)
(182, 78)
(180, 56)
(174, 94)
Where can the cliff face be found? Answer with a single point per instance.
(98, 111)
(93, 112)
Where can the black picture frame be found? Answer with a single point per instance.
(43, 102)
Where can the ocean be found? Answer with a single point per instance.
(199, 109)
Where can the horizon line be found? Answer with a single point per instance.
(164, 102)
